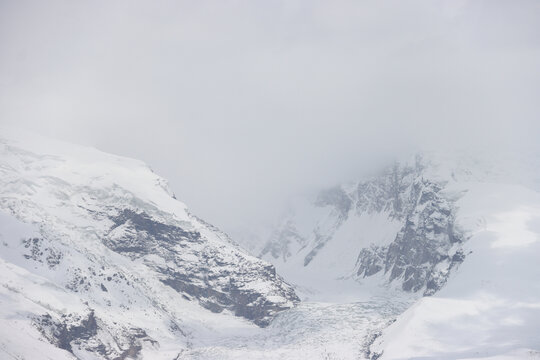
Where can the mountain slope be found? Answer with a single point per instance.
(398, 224)
(461, 230)
(122, 266)
(490, 307)
(100, 261)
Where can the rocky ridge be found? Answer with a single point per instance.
(421, 253)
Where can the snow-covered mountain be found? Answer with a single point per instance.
(460, 231)
(99, 259)
(399, 223)
(490, 306)
(431, 258)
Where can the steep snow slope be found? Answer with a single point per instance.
(110, 264)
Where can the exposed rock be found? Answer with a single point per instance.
(41, 253)
(144, 235)
(426, 247)
(201, 273)
(74, 332)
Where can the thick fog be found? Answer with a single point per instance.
(242, 103)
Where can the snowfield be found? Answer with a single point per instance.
(433, 258)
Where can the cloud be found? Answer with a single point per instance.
(242, 103)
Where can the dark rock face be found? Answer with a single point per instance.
(84, 332)
(428, 245)
(70, 329)
(42, 253)
(371, 261)
(218, 280)
(148, 236)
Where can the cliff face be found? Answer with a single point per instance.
(426, 247)
(419, 247)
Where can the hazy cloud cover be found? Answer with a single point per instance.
(242, 103)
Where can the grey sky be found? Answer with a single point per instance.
(241, 103)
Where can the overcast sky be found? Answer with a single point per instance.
(243, 103)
